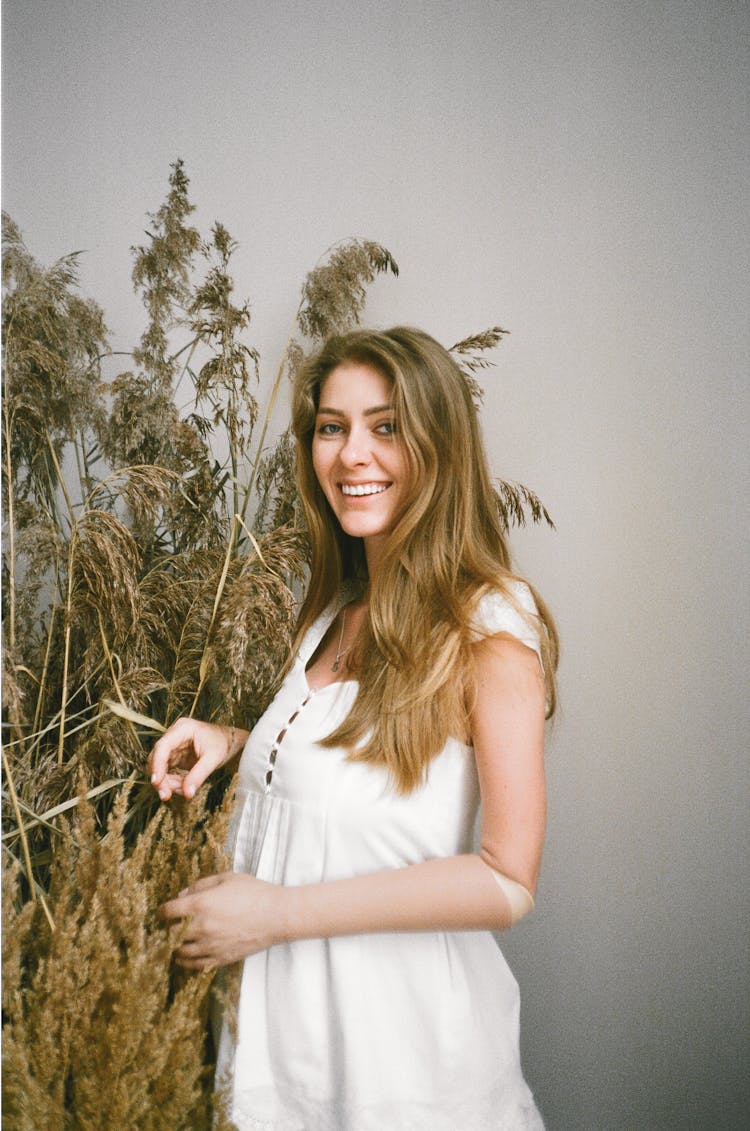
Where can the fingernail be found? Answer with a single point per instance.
(184, 891)
(190, 791)
(153, 778)
(163, 794)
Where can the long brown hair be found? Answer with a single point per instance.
(447, 550)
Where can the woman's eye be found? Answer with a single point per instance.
(328, 428)
(387, 428)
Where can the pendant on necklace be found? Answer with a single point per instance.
(340, 652)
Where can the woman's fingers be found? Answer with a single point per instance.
(169, 785)
(185, 785)
(206, 882)
(174, 909)
(170, 749)
(193, 951)
(186, 904)
(196, 776)
(212, 921)
(190, 962)
(196, 747)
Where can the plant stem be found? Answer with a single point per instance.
(80, 467)
(64, 806)
(191, 347)
(68, 599)
(66, 657)
(36, 736)
(11, 526)
(45, 669)
(86, 467)
(203, 669)
(232, 415)
(264, 429)
(110, 661)
(60, 479)
(24, 839)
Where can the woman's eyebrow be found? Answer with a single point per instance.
(367, 412)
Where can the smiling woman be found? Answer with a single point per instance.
(373, 994)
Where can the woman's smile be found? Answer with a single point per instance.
(364, 488)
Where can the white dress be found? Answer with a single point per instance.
(379, 1032)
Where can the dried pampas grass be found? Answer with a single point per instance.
(100, 1030)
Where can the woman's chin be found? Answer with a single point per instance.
(362, 527)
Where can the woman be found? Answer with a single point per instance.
(373, 996)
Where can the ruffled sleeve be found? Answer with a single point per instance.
(497, 613)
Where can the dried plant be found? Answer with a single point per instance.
(53, 342)
(154, 555)
(470, 356)
(514, 501)
(333, 296)
(224, 380)
(100, 1031)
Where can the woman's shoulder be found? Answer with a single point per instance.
(509, 608)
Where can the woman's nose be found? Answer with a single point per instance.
(355, 452)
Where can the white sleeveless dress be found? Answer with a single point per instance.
(380, 1032)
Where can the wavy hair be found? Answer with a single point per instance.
(413, 655)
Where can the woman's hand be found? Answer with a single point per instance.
(192, 746)
(228, 918)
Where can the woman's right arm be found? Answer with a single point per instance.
(188, 752)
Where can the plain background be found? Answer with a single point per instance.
(576, 172)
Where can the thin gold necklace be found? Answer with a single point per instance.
(340, 652)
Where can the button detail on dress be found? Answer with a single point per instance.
(274, 751)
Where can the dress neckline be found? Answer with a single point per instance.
(317, 631)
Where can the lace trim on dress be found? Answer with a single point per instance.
(494, 1112)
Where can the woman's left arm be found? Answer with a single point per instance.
(508, 736)
(234, 915)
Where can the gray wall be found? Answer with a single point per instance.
(576, 172)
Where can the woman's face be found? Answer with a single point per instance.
(358, 458)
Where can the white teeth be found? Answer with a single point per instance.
(364, 489)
